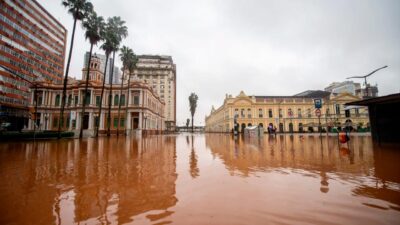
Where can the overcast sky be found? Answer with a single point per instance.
(258, 46)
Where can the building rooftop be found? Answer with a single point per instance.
(379, 100)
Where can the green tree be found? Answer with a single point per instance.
(79, 9)
(126, 56)
(193, 105)
(119, 31)
(93, 25)
(108, 46)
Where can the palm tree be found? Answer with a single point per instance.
(126, 57)
(94, 26)
(119, 31)
(108, 47)
(79, 9)
(131, 68)
(193, 105)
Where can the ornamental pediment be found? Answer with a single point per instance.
(242, 102)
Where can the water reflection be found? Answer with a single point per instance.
(374, 170)
(194, 169)
(95, 181)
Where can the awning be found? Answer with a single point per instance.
(348, 107)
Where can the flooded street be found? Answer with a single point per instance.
(199, 179)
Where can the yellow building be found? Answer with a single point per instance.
(295, 113)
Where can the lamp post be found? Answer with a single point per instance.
(365, 79)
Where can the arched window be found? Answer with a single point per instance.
(57, 100)
(116, 100)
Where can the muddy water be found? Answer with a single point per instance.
(200, 179)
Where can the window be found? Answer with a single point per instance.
(290, 113)
(115, 122)
(55, 122)
(76, 100)
(299, 113)
(260, 113)
(327, 112)
(97, 100)
(242, 113)
(116, 100)
(122, 122)
(337, 108)
(236, 112)
(57, 100)
(248, 113)
(69, 100)
(309, 113)
(347, 113)
(122, 99)
(357, 111)
(280, 113)
(270, 113)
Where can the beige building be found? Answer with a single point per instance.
(159, 72)
(141, 107)
(286, 113)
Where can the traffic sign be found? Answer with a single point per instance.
(318, 112)
(318, 103)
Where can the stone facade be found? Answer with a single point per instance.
(141, 107)
(159, 72)
(286, 113)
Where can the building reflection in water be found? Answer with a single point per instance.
(359, 162)
(95, 181)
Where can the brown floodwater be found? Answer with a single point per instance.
(199, 179)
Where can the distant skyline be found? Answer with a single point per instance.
(260, 47)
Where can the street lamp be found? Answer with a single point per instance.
(365, 79)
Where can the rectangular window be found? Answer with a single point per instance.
(97, 100)
(270, 113)
(73, 123)
(260, 113)
(357, 111)
(337, 107)
(122, 100)
(115, 122)
(122, 122)
(280, 113)
(136, 100)
(55, 122)
(242, 113)
(248, 113)
(76, 100)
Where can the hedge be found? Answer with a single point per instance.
(31, 135)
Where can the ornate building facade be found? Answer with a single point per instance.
(141, 108)
(287, 113)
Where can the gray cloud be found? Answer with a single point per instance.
(261, 47)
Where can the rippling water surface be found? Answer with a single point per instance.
(199, 179)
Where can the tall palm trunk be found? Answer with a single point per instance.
(127, 104)
(109, 105)
(64, 94)
(119, 105)
(101, 96)
(86, 90)
(192, 124)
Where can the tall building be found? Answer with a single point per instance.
(287, 113)
(352, 88)
(32, 47)
(160, 73)
(116, 72)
